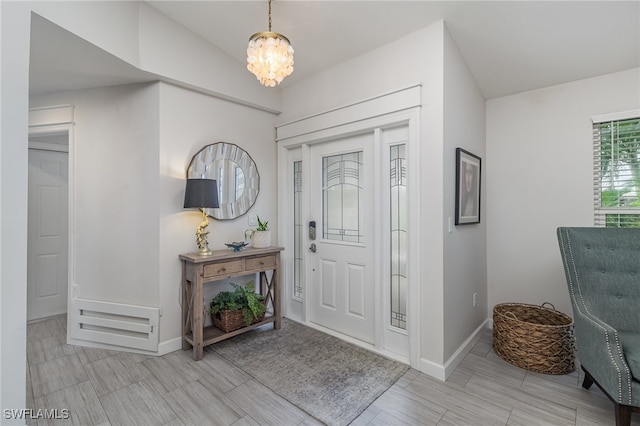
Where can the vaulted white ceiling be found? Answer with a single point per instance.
(510, 46)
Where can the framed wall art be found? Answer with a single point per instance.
(468, 168)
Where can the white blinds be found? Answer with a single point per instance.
(616, 171)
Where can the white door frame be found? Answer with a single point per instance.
(56, 120)
(389, 110)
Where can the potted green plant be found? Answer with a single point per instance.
(261, 237)
(231, 310)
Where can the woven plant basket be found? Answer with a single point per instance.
(533, 337)
(227, 320)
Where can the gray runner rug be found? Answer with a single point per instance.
(332, 380)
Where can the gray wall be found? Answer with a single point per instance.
(539, 177)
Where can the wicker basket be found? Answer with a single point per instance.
(227, 320)
(533, 337)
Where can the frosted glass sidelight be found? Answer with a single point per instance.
(398, 214)
(342, 194)
(297, 229)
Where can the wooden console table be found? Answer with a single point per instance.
(223, 264)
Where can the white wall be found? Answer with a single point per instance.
(14, 59)
(171, 51)
(539, 177)
(149, 40)
(415, 58)
(116, 192)
(465, 254)
(189, 121)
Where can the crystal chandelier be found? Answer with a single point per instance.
(269, 56)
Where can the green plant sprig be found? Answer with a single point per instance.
(262, 226)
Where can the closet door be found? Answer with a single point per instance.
(48, 235)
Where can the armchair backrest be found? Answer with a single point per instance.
(602, 267)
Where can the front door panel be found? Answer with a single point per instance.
(341, 268)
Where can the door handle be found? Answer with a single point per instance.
(312, 230)
(313, 248)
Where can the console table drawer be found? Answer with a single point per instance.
(222, 268)
(260, 262)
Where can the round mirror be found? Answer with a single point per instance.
(236, 173)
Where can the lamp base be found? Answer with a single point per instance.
(206, 252)
(201, 236)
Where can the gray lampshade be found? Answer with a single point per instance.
(201, 193)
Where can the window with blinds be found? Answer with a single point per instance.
(616, 149)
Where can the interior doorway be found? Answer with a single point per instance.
(48, 230)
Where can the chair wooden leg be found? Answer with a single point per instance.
(623, 412)
(588, 380)
(623, 415)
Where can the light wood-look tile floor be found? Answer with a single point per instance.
(102, 387)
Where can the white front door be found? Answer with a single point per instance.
(47, 234)
(341, 264)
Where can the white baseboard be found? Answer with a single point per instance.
(438, 371)
(163, 348)
(432, 369)
(97, 345)
(169, 346)
(442, 372)
(464, 349)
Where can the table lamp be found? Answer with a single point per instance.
(202, 194)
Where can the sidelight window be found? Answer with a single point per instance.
(398, 229)
(297, 229)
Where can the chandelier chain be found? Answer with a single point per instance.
(269, 15)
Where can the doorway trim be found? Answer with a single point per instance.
(57, 120)
(400, 107)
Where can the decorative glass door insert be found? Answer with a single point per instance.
(342, 197)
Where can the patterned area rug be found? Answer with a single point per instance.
(332, 380)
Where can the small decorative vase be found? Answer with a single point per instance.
(261, 239)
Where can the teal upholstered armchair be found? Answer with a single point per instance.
(602, 266)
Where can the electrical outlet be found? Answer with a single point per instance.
(253, 220)
(474, 299)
